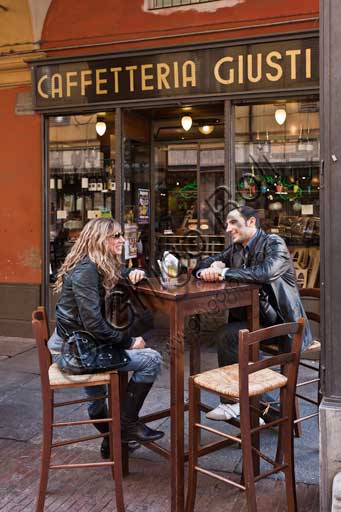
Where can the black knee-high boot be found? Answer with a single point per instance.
(132, 428)
(103, 428)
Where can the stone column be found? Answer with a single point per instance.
(330, 410)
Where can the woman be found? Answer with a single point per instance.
(88, 275)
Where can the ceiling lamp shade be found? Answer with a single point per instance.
(186, 123)
(101, 128)
(206, 129)
(280, 116)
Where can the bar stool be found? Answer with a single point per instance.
(243, 383)
(53, 379)
(312, 353)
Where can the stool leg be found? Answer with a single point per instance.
(287, 443)
(297, 426)
(247, 453)
(115, 438)
(123, 379)
(46, 448)
(193, 443)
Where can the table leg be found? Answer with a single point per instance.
(194, 356)
(177, 407)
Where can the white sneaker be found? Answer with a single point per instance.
(224, 412)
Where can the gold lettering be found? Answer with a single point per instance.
(188, 73)
(145, 77)
(39, 87)
(131, 70)
(308, 63)
(269, 60)
(162, 74)
(241, 69)
(176, 74)
(56, 85)
(69, 82)
(100, 81)
(293, 54)
(84, 81)
(258, 76)
(218, 77)
(116, 83)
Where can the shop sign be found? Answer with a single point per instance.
(282, 65)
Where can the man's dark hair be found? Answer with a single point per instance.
(247, 212)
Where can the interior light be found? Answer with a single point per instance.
(101, 128)
(186, 123)
(280, 116)
(206, 129)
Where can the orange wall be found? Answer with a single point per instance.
(20, 186)
(72, 23)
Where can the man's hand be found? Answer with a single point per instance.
(210, 274)
(139, 343)
(136, 275)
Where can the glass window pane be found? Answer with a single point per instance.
(277, 155)
(81, 177)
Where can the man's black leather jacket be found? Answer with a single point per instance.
(269, 264)
(81, 306)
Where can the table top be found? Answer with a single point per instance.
(188, 286)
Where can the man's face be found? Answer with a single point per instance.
(240, 229)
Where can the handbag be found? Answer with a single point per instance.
(82, 353)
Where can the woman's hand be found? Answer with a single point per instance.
(136, 275)
(139, 343)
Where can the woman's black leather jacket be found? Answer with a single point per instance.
(269, 264)
(81, 306)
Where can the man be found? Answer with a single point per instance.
(253, 257)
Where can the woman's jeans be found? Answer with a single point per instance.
(144, 363)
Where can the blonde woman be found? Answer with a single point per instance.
(91, 271)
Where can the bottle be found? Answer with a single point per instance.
(92, 184)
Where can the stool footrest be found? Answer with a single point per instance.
(218, 477)
(78, 440)
(79, 401)
(85, 465)
(80, 422)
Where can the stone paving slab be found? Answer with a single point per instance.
(10, 347)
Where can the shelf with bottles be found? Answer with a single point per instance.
(190, 245)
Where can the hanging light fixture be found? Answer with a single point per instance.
(280, 116)
(206, 129)
(101, 127)
(186, 123)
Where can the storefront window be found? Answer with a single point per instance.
(82, 182)
(277, 153)
(136, 188)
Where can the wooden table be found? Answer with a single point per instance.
(190, 297)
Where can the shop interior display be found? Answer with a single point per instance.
(174, 192)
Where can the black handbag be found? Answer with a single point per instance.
(82, 353)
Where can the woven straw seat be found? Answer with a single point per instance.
(313, 352)
(225, 381)
(59, 379)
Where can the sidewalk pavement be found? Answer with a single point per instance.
(146, 489)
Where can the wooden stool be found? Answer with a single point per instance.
(51, 379)
(244, 382)
(312, 353)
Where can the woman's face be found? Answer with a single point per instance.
(115, 242)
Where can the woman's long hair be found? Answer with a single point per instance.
(92, 242)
